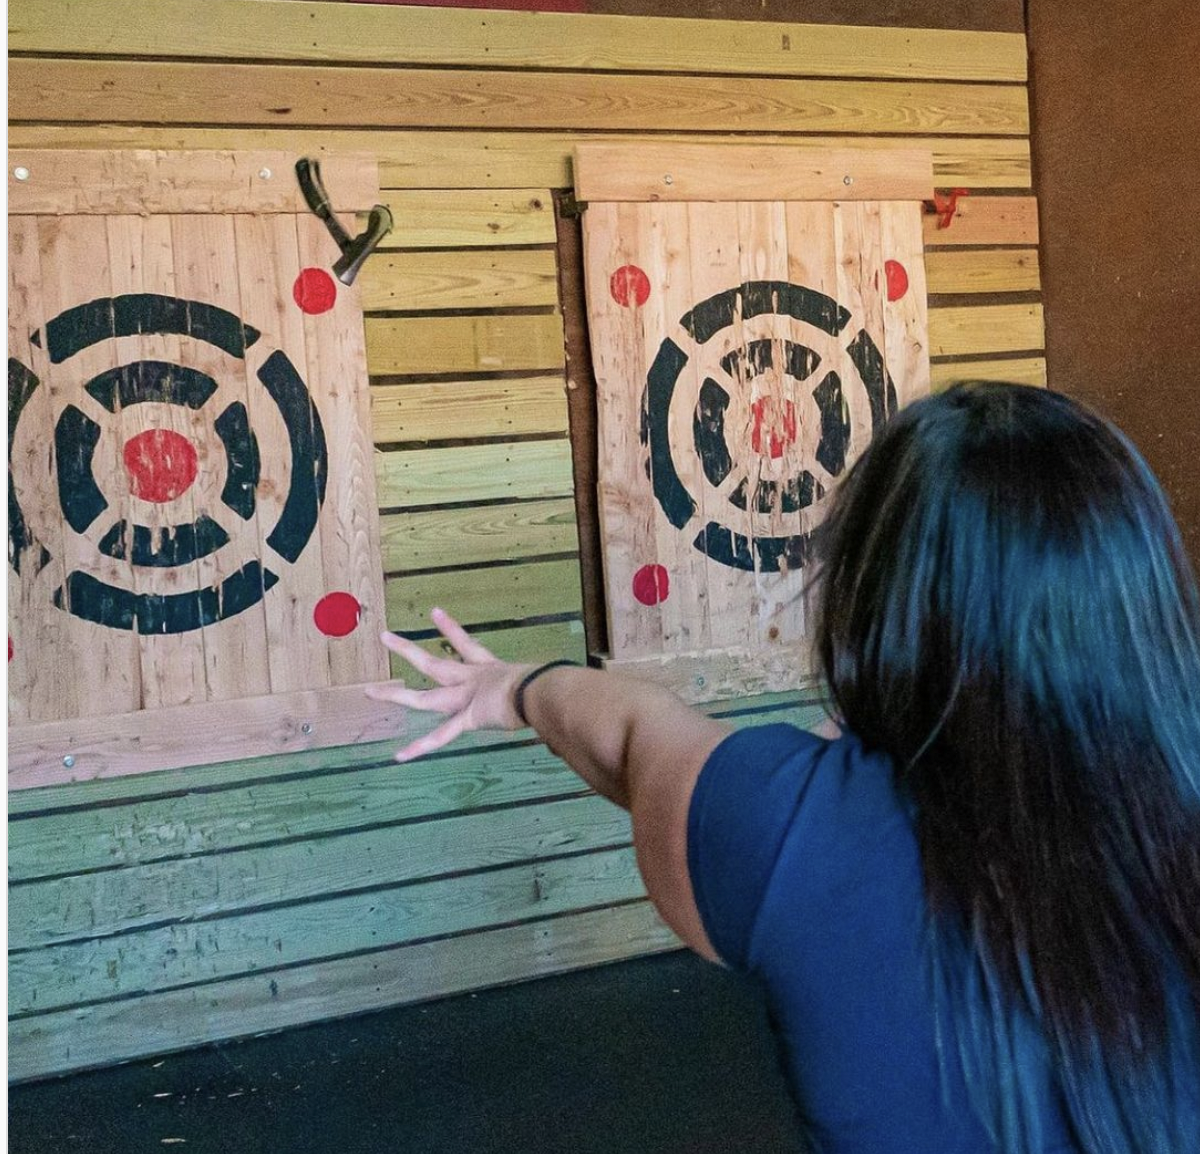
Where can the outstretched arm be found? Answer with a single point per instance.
(636, 744)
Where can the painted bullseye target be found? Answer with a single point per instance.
(770, 388)
(157, 465)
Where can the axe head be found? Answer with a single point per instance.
(355, 251)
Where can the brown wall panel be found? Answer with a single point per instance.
(1116, 139)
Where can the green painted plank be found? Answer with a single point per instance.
(166, 828)
(523, 644)
(117, 901)
(176, 955)
(471, 596)
(79, 1038)
(503, 472)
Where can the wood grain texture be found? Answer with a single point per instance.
(144, 181)
(445, 538)
(237, 29)
(165, 957)
(649, 171)
(971, 330)
(985, 220)
(170, 738)
(473, 473)
(983, 271)
(1018, 370)
(79, 1038)
(496, 160)
(720, 674)
(115, 902)
(420, 346)
(170, 92)
(472, 596)
(459, 280)
(468, 218)
(444, 410)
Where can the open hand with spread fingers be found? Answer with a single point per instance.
(476, 692)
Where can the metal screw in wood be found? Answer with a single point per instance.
(265, 173)
(306, 728)
(21, 173)
(69, 760)
(847, 180)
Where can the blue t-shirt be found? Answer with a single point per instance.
(807, 875)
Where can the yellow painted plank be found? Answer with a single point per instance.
(172, 92)
(109, 1032)
(421, 346)
(437, 410)
(443, 538)
(502, 593)
(487, 160)
(980, 329)
(469, 218)
(985, 220)
(237, 29)
(459, 280)
(1019, 371)
(474, 473)
(983, 271)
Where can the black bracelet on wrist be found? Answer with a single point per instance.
(519, 696)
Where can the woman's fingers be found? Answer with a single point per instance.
(435, 739)
(445, 699)
(462, 641)
(439, 669)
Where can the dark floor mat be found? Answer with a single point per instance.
(662, 1055)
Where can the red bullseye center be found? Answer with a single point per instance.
(774, 426)
(161, 465)
(337, 614)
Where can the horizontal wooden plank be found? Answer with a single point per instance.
(469, 218)
(173, 92)
(471, 596)
(983, 271)
(720, 674)
(54, 752)
(474, 473)
(523, 644)
(442, 410)
(141, 181)
(1018, 371)
(488, 160)
(166, 957)
(444, 538)
(242, 30)
(972, 330)
(118, 901)
(649, 171)
(144, 827)
(416, 346)
(135, 831)
(985, 220)
(79, 1038)
(459, 280)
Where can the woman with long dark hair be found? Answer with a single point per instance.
(975, 903)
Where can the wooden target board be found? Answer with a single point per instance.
(755, 315)
(192, 516)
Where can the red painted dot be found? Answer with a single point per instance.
(629, 283)
(897, 279)
(651, 584)
(161, 465)
(337, 614)
(778, 425)
(315, 290)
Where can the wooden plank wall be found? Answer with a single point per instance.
(158, 911)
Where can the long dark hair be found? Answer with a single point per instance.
(1007, 610)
